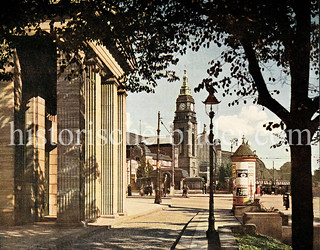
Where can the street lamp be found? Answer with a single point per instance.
(210, 104)
(157, 198)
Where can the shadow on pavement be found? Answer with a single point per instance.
(130, 238)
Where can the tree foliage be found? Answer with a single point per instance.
(142, 33)
(225, 171)
(144, 168)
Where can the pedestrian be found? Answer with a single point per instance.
(286, 201)
(204, 188)
(142, 191)
(184, 191)
(147, 190)
(129, 190)
(187, 188)
(258, 190)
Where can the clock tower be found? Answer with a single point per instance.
(185, 127)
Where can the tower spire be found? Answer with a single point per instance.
(185, 78)
(185, 89)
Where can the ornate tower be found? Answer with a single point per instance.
(185, 126)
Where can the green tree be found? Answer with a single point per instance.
(144, 169)
(258, 37)
(128, 27)
(285, 171)
(225, 171)
(280, 33)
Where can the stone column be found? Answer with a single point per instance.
(71, 111)
(53, 164)
(99, 143)
(90, 172)
(109, 149)
(122, 185)
(35, 177)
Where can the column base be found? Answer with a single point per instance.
(111, 216)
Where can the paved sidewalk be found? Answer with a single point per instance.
(51, 235)
(141, 211)
(194, 234)
(136, 206)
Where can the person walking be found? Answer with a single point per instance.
(187, 188)
(286, 201)
(204, 188)
(184, 191)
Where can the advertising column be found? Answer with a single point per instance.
(244, 175)
(244, 183)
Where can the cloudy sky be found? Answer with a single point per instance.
(229, 122)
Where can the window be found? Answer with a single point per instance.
(181, 146)
(193, 145)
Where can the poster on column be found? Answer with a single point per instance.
(251, 180)
(242, 174)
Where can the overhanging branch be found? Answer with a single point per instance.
(315, 103)
(314, 125)
(264, 97)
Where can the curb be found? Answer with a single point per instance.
(227, 240)
(181, 233)
(196, 240)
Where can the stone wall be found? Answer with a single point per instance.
(269, 224)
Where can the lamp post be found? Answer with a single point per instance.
(209, 105)
(157, 198)
(173, 162)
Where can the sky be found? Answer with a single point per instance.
(229, 122)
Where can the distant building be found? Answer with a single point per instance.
(137, 153)
(146, 150)
(223, 157)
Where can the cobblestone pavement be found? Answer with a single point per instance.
(157, 230)
(160, 229)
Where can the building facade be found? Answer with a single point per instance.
(221, 157)
(62, 139)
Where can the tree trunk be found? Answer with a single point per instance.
(301, 191)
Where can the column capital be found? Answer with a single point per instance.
(110, 80)
(122, 92)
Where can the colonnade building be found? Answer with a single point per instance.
(63, 134)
